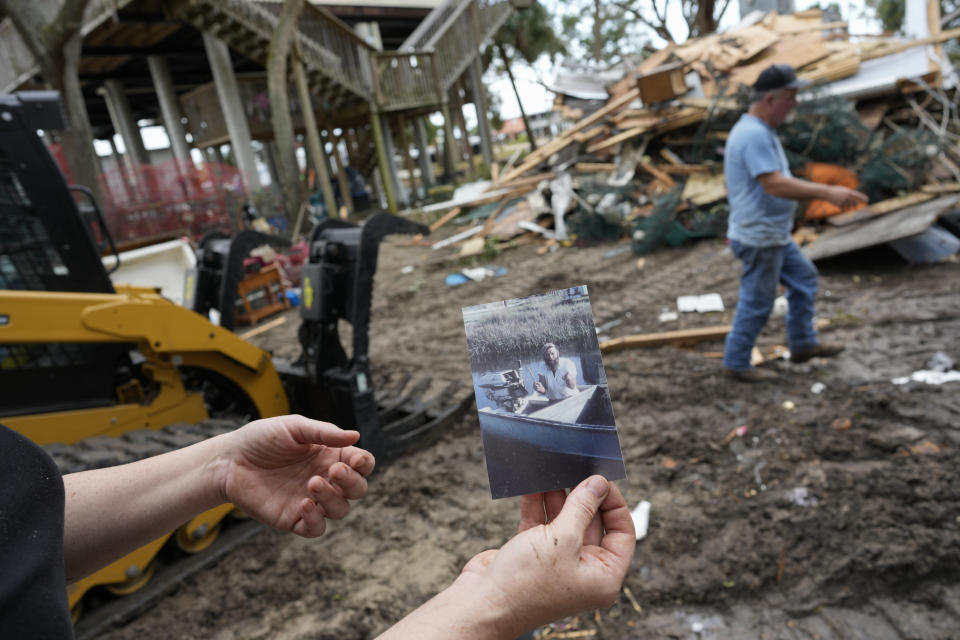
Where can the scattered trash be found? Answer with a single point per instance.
(818, 387)
(801, 497)
(926, 448)
(641, 263)
(780, 307)
(668, 316)
(736, 432)
(929, 377)
(789, 405)
(293, 296)
(641, 518)
(668, 463)
(455, 279)
(841, 424)
(940, 362)
(618, 251)
(407, 269)
(701, 304)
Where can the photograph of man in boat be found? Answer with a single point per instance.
(542, 399)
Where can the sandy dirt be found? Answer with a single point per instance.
(798, 529)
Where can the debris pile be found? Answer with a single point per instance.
(647, 164)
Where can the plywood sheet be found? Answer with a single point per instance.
(901, 224)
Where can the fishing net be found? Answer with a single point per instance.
(899, 164)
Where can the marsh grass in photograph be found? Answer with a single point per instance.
(500, 333)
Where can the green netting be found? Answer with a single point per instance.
(824, 129)
(899, 164)
(667, 226)
(592, 227)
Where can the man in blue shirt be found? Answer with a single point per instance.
(762, 195)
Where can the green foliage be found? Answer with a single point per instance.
(618, 35)
(529, 33)
(889, 12)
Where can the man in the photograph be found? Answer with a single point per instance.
(556, 378)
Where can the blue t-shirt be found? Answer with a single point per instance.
(757, 219)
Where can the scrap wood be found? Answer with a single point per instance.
(704, 189)
(796, 50)
(591, 133)
(594, 167)
(276, 322)
(879, 208)
(678, 338)
(680, 119)
(659, 175)
(447, 217)
(682, 169)
(564, 139)
(463, 235)
(633, 601)
(936, 189)
(887, 48)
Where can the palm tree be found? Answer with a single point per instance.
(529, 34)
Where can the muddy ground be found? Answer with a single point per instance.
(798, 529)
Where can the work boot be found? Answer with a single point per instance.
(822, 350)
(752, 374)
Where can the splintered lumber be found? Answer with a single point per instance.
(680, 337)
(796, 50)
(659, 175)
(567, 137)
(879, 208)
(889, 49)
(680, 118)
(594, 167)
(447, 217)
(950, 187)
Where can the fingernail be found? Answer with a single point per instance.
(598, 485)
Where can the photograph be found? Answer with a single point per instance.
(542, 396)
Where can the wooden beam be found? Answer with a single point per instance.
(567, 137)
(879, 208)
(447, 217)
(676, 338)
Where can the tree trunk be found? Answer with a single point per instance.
(704, 22)
(55, 42)
(597, 33)
(277, 89)
(513, 83)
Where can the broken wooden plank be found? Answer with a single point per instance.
(447, 217)
(900, 224)
(936, 189)
(679, 337)
(879, 209)
(559, 143)
(594, 167)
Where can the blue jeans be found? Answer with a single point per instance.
(763, 268)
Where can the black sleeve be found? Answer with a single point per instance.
(33, 588)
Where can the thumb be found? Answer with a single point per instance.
(307, 431)
(582, 505)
